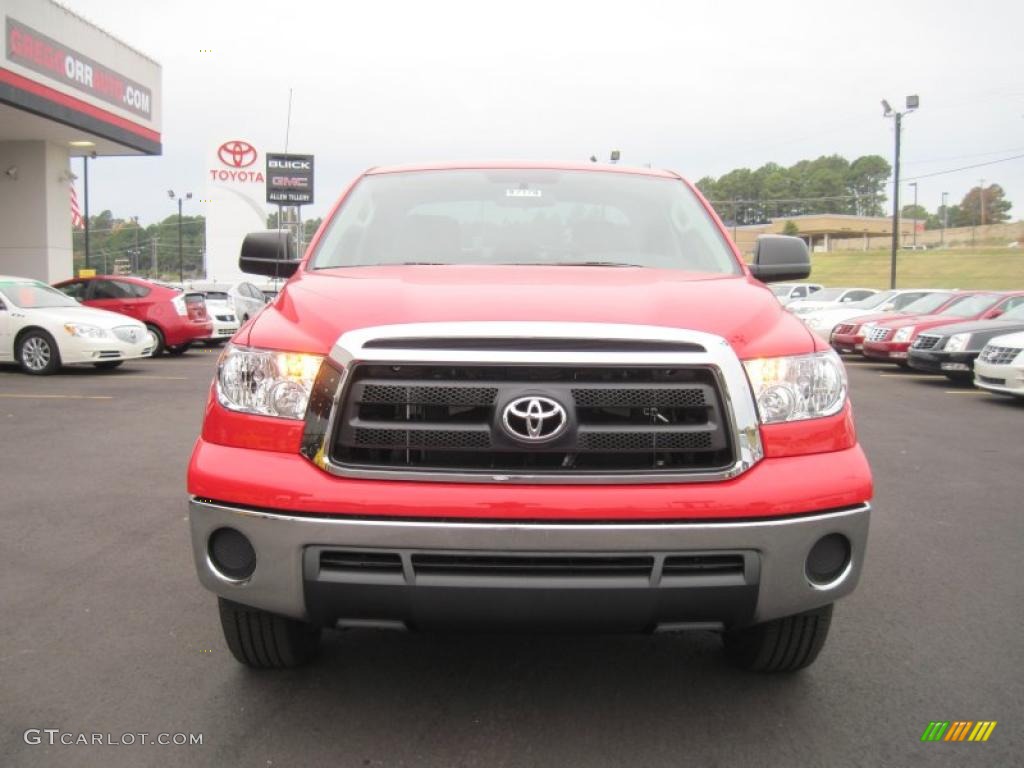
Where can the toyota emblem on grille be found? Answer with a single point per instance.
(534, 419)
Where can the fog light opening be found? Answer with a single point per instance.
(231, 554)
(828, 562)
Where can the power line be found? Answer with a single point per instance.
(964, 168)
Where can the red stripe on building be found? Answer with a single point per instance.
(77, 105)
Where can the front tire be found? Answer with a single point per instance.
(265, 640)
(38, 353)
(782, 645)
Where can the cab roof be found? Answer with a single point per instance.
(522, 165)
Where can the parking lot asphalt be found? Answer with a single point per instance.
(105, 629)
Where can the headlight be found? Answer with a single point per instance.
(794, 388)
(865, 329)
(85, 331)
(958, 342)
(265, 382)
(904, 334)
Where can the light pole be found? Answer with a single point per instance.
(945, 219)
(914, 185)
(911, 104)
(181, 258)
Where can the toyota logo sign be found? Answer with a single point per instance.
(237, 154)
(534, 419)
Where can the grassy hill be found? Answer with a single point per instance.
(997, 268)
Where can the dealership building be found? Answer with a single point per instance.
(67, 89)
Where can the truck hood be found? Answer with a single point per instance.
(316, 307)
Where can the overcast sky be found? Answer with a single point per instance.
(701, 88)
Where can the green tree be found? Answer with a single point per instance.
(791, 229)
(996, 206)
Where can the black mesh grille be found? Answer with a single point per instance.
(422, 438)
(450, 418)
(645, 441)
(377, 393)
(645, 398)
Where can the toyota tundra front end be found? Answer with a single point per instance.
(520, 396)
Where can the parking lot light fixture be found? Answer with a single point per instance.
(912, 104)
(181, 259)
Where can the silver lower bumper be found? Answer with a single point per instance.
(281, 541)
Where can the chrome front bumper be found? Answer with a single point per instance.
(775, 569)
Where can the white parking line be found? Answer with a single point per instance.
(55, 397)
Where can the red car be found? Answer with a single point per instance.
(848, 337)
(174, 318)
(501, 395)
(890, 340)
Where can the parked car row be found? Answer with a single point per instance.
(969, 336)
(107, 319)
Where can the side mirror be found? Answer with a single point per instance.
(994, 314)
(780, 257)
(270, 253)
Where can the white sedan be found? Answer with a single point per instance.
(829, 298)
(1000, 366)
(42, 329)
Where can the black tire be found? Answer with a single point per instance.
(158, 336)
(265, 640)
(37, 353)
(177, 350)
(963, 379)
(109, 365)
(782, 645)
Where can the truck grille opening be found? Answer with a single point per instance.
(677, 567)
(709, 565)
(624, 419)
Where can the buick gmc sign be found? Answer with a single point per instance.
(289, 179)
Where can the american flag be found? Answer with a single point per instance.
(76, 214)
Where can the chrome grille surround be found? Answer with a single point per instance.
(398, 345)
(999, 355)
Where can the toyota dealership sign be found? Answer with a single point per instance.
(235, 159)
(235, 204)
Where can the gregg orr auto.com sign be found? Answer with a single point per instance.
(36, 51)
(289, 179)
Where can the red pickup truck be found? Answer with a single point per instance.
(528, 396)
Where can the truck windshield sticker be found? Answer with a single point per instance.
(523, 193)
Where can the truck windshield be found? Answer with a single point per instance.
(512, 216)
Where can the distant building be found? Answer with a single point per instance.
(819, 230)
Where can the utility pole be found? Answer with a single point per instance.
(912, 103)
(914, 185)
(181, 258)
(981, 200)
(945, 219)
